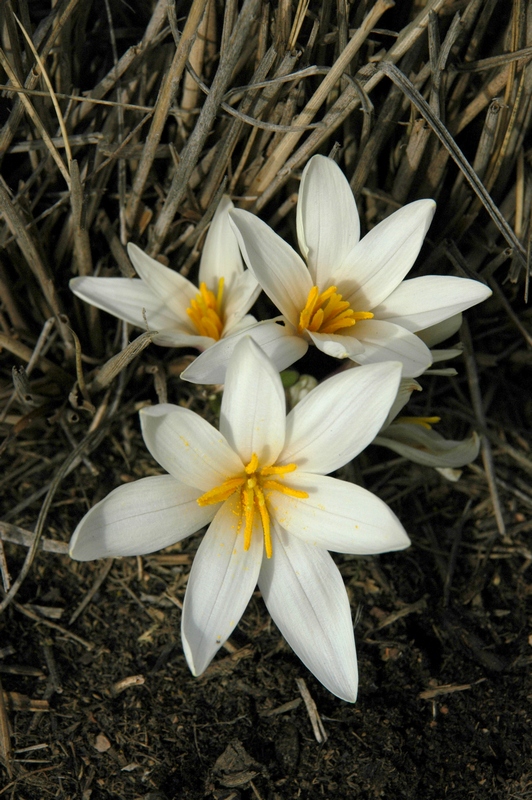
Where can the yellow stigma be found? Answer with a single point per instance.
(328, 313)
(205, 311)
(425, 422)
(251, 486)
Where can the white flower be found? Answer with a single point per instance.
(413, 438)
(349, 299)
(170, 304)
(260, 482)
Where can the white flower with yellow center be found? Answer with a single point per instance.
(349, 298)
(170, 304)
(260, 482)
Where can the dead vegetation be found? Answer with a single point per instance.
(126, 122)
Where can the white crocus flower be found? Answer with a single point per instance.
(166, 302)
(413, 437)
(260, 482)
(349, 299)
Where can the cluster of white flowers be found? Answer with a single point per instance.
(261, 481)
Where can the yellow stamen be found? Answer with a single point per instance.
(251, 486)
(328, 312)
(205, 311)
(425, 422)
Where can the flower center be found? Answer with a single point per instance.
(205, 311)
(425, 422)
(251, 487)
(328, 313)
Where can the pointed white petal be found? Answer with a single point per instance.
(425, 301)
(440, 332)
(338, 516)
(239, 298)
(139, 518)
(328, 225)
(253, 412)
(221, 582)
(187, 447)
(170, 286)
(278, 268)
(221, 255)
(427, 447)
(278, 340)
(385, 341)
(380, 261)
(337, 345)
(248, 321)
(339, 418)
(125, 298)
(180, 338)
(445, 355)
(406, 387)
(306, 597)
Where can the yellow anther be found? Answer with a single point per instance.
(328, 312)
(425, 422)
(251, 485)
(206, 313)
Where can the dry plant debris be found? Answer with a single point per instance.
(126, 122)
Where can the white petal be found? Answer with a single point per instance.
(380, 261)
(170, 286)
(445, 355)
(406, 387)
(239, 298)
(221, 582)
(253, 412)
(278, 340)
(440, 332)
(427, 447)
(178, 338)
(328, 226)
(187, 447)
(335, 421)
(337, 345)
(221, 254)
(304, 592)
(247, 321)
(425, 301)
(338, 516)
(139, 518)
(125, 298)
(278, 268)
(384, 341)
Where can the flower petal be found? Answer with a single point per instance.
(177, 338)
(328, 226)
(440, 332)
(406, 387)
(339, 418)
(239, 298)
(125, 298)
(305, 595)
(380, 261)
(221, 254)
(187, 447)
(221, 582)
(337, 345)
(253, 412)
(278, 268)
(277, 338)
(170, 286)
(427, 447)
(138, 518)
(426, 301)
(385, 341)
(338, 516)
